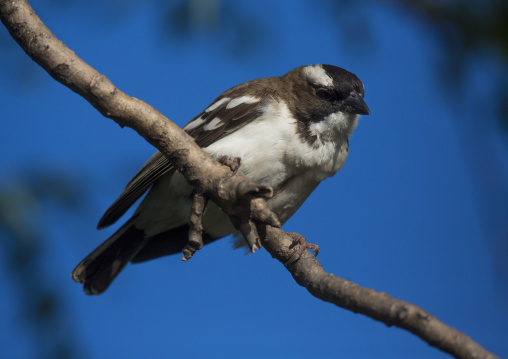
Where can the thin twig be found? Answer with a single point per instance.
(195, 241)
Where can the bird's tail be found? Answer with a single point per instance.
(100, 267)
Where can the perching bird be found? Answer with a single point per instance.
(290, 132)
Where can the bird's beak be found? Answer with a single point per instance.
(355, 104)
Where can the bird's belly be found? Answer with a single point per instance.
(291, 194)
(168, 205)
(288, 197)
(293, 169)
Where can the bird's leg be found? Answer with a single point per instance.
(250, 233)
(298, 239)
(233, 164)
(196, 225)
(247, 227)
(256, 195)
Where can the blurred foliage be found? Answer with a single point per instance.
(24, 207)
(190, 19)
(468, 30)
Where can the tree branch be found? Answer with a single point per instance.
(233, 193)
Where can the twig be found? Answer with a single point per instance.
(195, 242)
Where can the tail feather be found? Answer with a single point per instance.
(127, 244)
(100, 267)
(167, 243)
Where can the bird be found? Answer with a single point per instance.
(288, 132)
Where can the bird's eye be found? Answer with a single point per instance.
(325, 94)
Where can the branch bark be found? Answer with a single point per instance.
(233, 193)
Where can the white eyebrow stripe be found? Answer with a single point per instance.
(193, 124)
(241, 100)
(217, 104)
(213, 124)
(316, 75)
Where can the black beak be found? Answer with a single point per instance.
(355, 104)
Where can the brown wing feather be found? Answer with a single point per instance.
(231, 119)
(153, 169)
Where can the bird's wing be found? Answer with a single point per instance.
(155, 167)
(223, 117)
(214, 123)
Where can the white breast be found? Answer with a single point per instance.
(272, 152)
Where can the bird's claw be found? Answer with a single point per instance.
(299, 240)
(233, 164)
(250, 233)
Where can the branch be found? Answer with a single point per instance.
(309, 273)
(232, 192)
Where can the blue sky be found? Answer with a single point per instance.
(402, 217)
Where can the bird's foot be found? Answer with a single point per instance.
(299, 240)
(233, 164)
(256, 195)
(250, 233)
